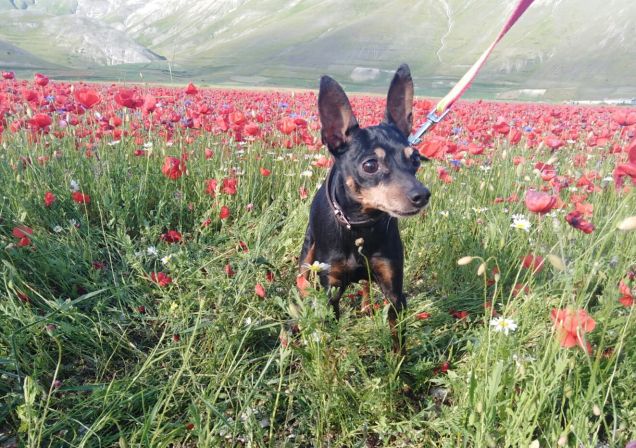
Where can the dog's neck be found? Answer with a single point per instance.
(341, 199)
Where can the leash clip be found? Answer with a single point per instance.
(431, 120)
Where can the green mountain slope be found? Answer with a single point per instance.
(559, 49)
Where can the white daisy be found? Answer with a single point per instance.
(165, 260)
(57, 229)
(75, 185)
(316, 266)
(501, 324)
(520, 222)
(152, 250)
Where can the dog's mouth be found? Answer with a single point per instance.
(406, 213)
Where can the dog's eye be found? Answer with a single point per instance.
(415, 158)
(370, 166)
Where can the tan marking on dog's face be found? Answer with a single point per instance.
(389, 198)
(381, 153)
(408, 152)
(351, 184)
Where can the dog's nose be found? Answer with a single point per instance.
(419, 196)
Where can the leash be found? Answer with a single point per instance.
(443, 106)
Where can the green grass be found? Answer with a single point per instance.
(82, 366)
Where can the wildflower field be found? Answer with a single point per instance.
(149, 242)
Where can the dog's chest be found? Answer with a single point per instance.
(346, 268)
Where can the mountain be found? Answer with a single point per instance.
(559, 49)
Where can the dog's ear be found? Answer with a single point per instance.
(336, 116)
(399, 101)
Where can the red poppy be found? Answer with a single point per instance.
(173, 168)
(475, 149)
(259, 290)
(533, 262)
(442, 368)
(225, 212)
(252, 129)
(191, 89)
(584, 209)
(286, 125)
(623, 170)
(265, 172)
(501, 126)
(575, 219)
(269, 276)
(40, 121)
(81, 198)
(24, 241)
(459, 314)
(208, 153)
(128, 98)
(571, 326)
(8, 75)
(87, 97)
(49, 198)
(443, 175)
(432, 147)
(22, 231)
(547, 172)
(423, 315)
(210, 187)
(171, 236)
(149, 104)
(553, 142)
(229, 185)
(539, 202)
(237, 118)
(302, 191)
(627, 298)
(40, 79)
(160, 279)
(624, 118)
(228, 270)
(302, 284)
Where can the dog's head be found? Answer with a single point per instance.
(377, 163)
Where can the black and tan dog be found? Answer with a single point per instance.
(371, 183)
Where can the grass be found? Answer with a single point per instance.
(207, 362)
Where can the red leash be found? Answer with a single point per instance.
(443, 106)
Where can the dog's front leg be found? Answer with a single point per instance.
(335, 285)
(388, 275)
(334, 294)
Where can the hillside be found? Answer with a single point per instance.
(558, 50)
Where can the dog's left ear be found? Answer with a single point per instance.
(399, 101)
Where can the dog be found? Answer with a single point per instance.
(372, 182)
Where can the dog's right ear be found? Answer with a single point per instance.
(336, 116)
